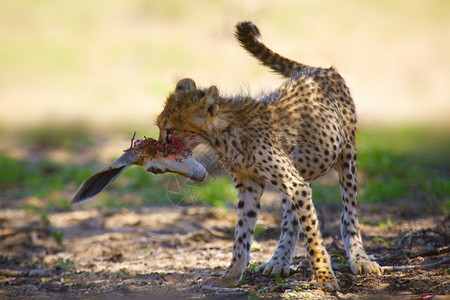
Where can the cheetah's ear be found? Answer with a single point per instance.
(210, 104)
(185, 85)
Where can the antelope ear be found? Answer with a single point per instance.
(185, 85)
(95, 184)
(210, 103)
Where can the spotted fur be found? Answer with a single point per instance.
(286, 138)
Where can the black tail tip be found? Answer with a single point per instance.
(247, 28)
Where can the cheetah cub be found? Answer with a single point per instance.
(286, 138)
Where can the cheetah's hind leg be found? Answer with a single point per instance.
(279, 264)
(360, 262)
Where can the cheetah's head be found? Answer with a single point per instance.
(189, 114)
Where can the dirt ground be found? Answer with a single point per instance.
(169, 251)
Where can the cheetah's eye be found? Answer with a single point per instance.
(170, 132)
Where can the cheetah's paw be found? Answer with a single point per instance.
(364, 265)
(327, 285)
(221, 282)
(274, 268)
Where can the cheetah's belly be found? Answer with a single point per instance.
(318, 150)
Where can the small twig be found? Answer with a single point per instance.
(215, 233)
(345, 267)
(225, 290)
(11, 273)
(410, 254)
(132, 140)
(399, 252)
(27, 229)
(400, 268)
(400, 241)
(432, 252)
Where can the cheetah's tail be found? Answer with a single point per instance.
(249, 36)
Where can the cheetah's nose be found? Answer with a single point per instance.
(198, 174)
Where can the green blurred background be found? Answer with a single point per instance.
(77, 77)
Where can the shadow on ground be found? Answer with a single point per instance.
(163, 251)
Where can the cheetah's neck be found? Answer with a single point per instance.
(234, 112)
(233, 119)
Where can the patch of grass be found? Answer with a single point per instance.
(107, 200)
(62, 264)
(256, 246)
(58, 236)
(48, 136)
(338, 256)
(260, 231)
(424, 142)
(252, 267)
(445, 206)
(39, 179)
(407, 164)
(281, 280)
(387, 223)
(12, 172)
(381, 240)
(69, 283)
(264, 290)
(47, 181)
(218, 192)
(303, 287)
(365, 222)
(326, 194)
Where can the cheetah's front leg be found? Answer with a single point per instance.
(249, 193)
